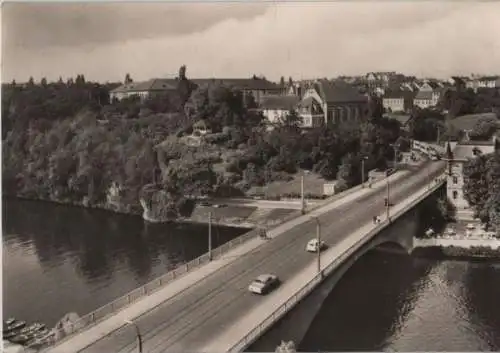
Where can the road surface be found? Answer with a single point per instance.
(184, 323)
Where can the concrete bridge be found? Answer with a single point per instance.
(398, 237)
(209, 308)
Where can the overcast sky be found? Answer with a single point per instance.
(105, 41)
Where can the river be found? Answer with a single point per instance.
(397, 302)
(59, 259)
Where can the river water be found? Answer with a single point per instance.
(58, 259)
(397, 302)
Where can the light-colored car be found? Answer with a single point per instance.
(264, 284)
(313, 244)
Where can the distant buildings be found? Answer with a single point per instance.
(257, 87)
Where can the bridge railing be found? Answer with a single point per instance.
(256, 332)
(120, 303)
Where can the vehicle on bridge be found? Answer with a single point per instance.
(313, 244)
(264, 284)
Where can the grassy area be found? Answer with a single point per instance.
(313, 184)
(467, 122)
(279, 214)
(225, 212)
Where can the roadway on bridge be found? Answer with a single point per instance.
(197, 315)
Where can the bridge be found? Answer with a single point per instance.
(206, 305)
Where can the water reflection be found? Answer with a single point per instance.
(58, 259)
(390, 301)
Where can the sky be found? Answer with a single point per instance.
(104, 41)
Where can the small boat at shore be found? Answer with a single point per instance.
(14, 325)
(32, 328)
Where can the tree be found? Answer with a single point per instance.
(282, 81)
(31, 82)
(43, 81)
(349, 171)
(484, 129)
(476, 188)
(290, 81)
(182, 73)
(291, 120)
(128, 79)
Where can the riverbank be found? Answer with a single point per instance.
(458, 247)
(228, 216)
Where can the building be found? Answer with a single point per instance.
(337, 101)
(458, 153)
(143, 89)
(276, 107)
(255, 86)
(484, 82)
(311, 113)
(398, 101)
(428, 95)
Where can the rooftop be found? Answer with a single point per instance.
(279, 102)
(338, 92)
(164, 84)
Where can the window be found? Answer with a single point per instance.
(455, 180)
(455, 195)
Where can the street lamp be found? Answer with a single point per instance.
(363, 159)
(395, 146)
(138, 332)
(318, 248)
(209, 236)
(302, 198)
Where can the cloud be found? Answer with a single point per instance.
(297, 39)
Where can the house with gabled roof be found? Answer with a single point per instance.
(398, 100)
(429, 95)
(339, 102)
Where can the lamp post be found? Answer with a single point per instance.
(302, 199)
(318, 248)
(209, 236)
(395, 146)
(363, 159)
(138, 332)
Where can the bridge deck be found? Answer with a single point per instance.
(190, 312)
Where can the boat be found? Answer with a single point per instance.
(21, 339)
(9, 321)
(32, 328)
(14, 326)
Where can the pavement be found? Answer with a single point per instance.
(268, 204)
(201, 305)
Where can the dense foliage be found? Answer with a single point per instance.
(67, 142)
(465, 101)
(482, 187)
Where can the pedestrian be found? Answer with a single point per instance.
(374, 219)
